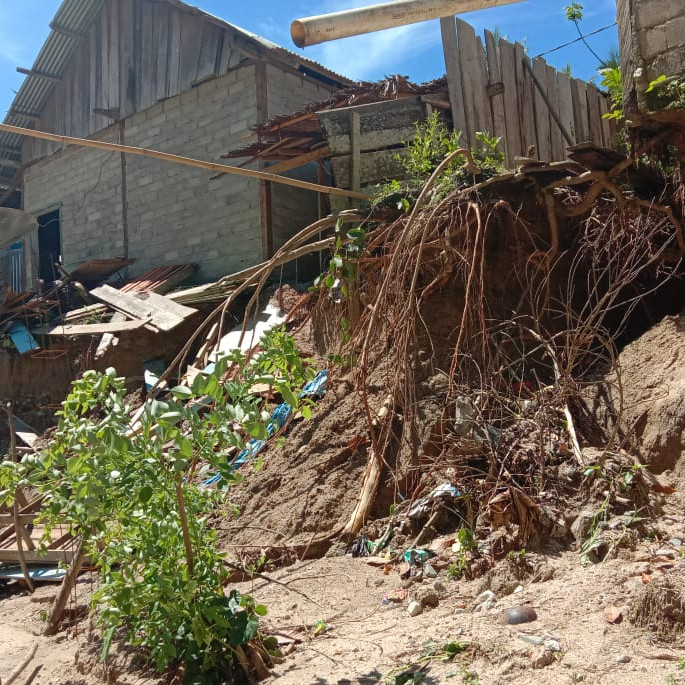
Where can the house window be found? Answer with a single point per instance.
(16, 267)
(49, 246)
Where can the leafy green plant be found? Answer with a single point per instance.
(130, 496)
(444, 652)
(431, 144)
(470, 678)
(666, 92)
(611, 82)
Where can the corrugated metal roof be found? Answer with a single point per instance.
(76, 17)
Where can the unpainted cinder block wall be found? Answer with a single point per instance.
(652, 40)
(176, 214)
(292, 208)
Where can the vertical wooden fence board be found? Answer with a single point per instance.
(606, 126)
(483, 99)
(448, 29)
(595, 124)
(580, 118)
(566, 107)
(542, 117)
(470, 80)
(508, 62)
(499, 127)
(526, 98)
(558, 142)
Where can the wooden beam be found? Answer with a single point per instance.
(91, 328)
(35, 118)
(40, 74)
(300, 160)
(37, 557)
(355, 150)
(67, 32)
(265, 188)
(179, 159)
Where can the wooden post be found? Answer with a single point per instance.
(355, 151)
(63, 595)
(18, 525)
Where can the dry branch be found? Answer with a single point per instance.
(18, 670)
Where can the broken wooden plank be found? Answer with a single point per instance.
(24, 432)
(163, 313)
(37, 556)
(91, 328)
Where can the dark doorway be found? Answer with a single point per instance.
(49, 246)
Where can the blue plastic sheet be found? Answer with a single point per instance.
(316, 388)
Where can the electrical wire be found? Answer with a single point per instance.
(577, 40)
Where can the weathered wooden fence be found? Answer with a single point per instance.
(537, 110)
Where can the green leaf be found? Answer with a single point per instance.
(171, 417)
(185, 447)
(106, 642)
(260, 610)
(145, 494)
(288, 395)
(181, 392)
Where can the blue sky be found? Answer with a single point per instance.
(412, 50)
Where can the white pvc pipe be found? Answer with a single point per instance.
(319, 29)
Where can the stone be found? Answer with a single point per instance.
(542, 657)
(440, 588)
(427, 597)
(553, 645)
(622, 658)
(429, 571)
(517, 615)
(414, 609)
(581, 526)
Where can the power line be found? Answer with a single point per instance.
(565, 45)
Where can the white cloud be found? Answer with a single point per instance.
(375, 55)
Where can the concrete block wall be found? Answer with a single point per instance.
(176, 214)
(180, 214)
(85, 185)
(293, 209)
(652, 39)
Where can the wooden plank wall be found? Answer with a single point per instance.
(137, 53)
(496, 93)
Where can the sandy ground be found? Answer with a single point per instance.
(369, 642)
